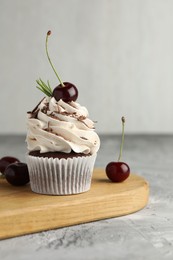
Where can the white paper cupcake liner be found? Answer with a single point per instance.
(60, 176)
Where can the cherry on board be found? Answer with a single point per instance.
(5, 161)
(118, 171)
(17, 174)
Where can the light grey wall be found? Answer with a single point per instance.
(119, 53)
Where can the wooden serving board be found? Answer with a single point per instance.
(24, 212)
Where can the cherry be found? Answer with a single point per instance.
(118, 171)
(67, 93)
(17, 174)
(5, 161)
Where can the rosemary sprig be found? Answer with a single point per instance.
(45, 88)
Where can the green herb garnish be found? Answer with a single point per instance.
(46, 89)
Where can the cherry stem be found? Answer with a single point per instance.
(47, 53)
(122, 139)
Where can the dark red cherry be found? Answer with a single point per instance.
(67, 93)
(17, 174)
(117, 171)
(5, 161)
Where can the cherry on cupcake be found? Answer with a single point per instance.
(67, 93)
(118, 171)
(65, 90)
(17, 174)
(5, 161)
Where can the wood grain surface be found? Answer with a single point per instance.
(24, 212)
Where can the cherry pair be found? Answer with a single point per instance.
(14, 171)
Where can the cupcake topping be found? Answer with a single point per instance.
(61, 126)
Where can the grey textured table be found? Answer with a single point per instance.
(146, 234)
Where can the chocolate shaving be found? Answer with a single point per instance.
(54, 116)
(33, 139)
(44, 109)
(34, 112)
(81, 118)
(84, 138)
(48, 129)
(64, 113)
(36, 108)
(68, 114)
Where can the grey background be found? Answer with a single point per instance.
(117, 52)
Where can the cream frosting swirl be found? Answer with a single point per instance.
(61, 127)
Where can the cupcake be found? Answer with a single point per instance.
(61, 140)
